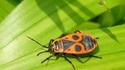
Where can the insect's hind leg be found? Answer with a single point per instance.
(94, 56)
(77, 57)
(68, 61)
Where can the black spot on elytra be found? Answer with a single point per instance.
(78, 48)
(75, 37)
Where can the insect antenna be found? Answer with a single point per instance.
(36, 42)
(42, 52)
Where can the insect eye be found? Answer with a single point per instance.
(51, 48)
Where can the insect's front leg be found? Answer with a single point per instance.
(50, 42)
(49, 57)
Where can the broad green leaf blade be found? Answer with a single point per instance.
(6, 7)
(15, 2)
(33, 13)
(114, 18)
(44, 20)
(110, 49)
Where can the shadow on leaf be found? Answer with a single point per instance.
(50, 7)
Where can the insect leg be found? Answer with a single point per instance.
(97, 38)
(69, 61)
(37, 42)
(50, 42)
(62, 35)
(77, 31)
(77, 57)
(42, 52)
(49, 57)
(94, 56)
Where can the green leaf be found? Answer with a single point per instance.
(6, 7)
(115, 17)
(45, 20)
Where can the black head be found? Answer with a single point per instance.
(51, 48)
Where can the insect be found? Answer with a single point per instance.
(74, 44)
